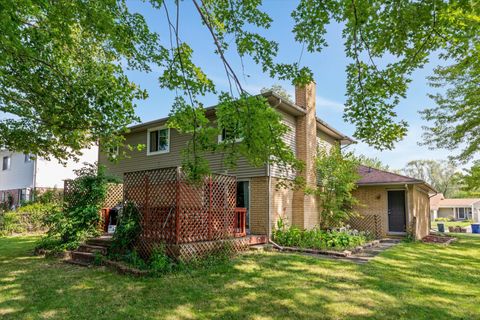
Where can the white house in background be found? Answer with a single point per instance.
(459, 209)
(20, 175)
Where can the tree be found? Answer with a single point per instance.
(62, 63)
(471, 181)
(62, 80)
(278, 89)
(337, 179)
(441, 175)
(372, 162)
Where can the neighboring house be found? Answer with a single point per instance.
(456, 209)
(256, 187)
(400, 203)
(21, 174)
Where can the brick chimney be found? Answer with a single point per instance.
(305, 213)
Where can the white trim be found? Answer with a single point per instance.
(220, 137)
(148, 140)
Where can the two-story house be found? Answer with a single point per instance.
(257, 186)
(22, 174)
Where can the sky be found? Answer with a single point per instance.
(328, 68)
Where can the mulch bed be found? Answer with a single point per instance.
(443, 240)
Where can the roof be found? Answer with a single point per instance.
(372, 176)
(466, 202)
(283, 104)
(435, 200)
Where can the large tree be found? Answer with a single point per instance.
(441, 175)
(63, 85)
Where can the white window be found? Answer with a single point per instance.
(464, 213)
(25, 195)
(6, 163)
(227, 134)
(158, 140)
(113, 152)
(2, 196)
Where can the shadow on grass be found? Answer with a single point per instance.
(409, 281)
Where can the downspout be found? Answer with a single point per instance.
(34, 182)
(270, 191)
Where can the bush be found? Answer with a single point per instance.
(128, 229)
(318, 239)
(29, 218)
(442, 219)
(80, 216)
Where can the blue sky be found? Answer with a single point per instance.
(328, 67)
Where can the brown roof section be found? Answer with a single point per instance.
(371, 176)
(435, 200)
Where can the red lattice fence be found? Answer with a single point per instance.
(174, 211)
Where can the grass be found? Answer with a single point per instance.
(408, 281)
(451, 224)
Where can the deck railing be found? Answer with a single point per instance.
(240, 222)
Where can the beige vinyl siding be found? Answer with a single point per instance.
(289, 138)
(324, 140)
(139, 160)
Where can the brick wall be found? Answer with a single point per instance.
(281, 201)
(373, 201)
(259, 205)
(304, 207)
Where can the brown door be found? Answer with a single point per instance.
(396, 211)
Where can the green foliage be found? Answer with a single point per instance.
(28, 218)
(80, 215)
(62, 79)
(317, 239)
(337, 176)
(443, 176)
(127, 231)
(471, 179)
(372, 163)
(278, 89)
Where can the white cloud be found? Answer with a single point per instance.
(330, 104)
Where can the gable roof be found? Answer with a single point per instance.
(283, 104)
(372, 176)
(447, 203)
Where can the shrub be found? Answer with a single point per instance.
(317, 238)
(337, 177)
(29, 218)
(80, 215)
(160, 262)
(128, 229)
(442, 219)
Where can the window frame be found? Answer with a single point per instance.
(9, 163)
(149, 130)
(222, 140)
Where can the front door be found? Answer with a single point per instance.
(396, 211)
(243, 199)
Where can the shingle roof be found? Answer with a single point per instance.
(371, 176)
(445, 203)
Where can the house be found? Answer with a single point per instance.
(395, 203)
(455, 209)
(257, 186)
(22, 174)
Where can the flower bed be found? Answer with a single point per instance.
(444, 240)
(320, 239)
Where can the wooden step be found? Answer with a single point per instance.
(92, 249)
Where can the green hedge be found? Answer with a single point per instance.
(28, 218)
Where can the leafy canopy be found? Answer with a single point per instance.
(62, 63)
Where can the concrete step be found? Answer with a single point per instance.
(85, 257)
(92, 249)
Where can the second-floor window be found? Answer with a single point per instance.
(6, 163)
(158, 140)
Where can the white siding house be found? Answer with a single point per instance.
(456, 209)
(20, 175)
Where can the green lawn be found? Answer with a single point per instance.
(450, 224)
(409, 281)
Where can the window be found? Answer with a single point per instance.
(25, 195)
(2, 196)
(6, 163)
(464, 213)
(227, 134)
(158, 140)
(113, 152)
